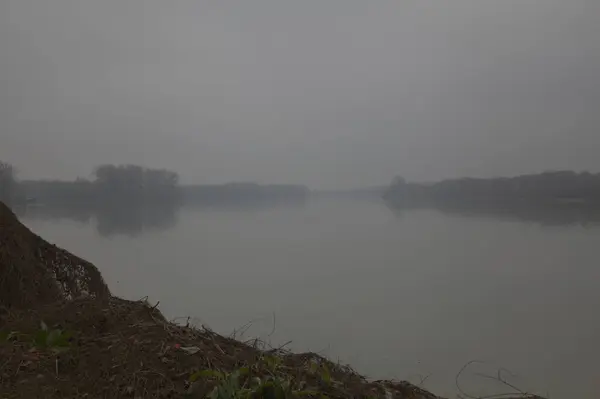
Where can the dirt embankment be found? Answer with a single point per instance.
(62, 335)
(33, 272)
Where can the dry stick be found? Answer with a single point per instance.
(462, 392)
(19, 368)
(420, 385)
(280, 348)
(499, 378)
(5, 363)
(504, 395)
(242, 330)
(274, 325)
(218, 347)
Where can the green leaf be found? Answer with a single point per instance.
(214, 394)
(40, 340)
(325, 374)
(58, 340)
(234, 383)
(6, 336)
(53, 338)
(272, 363)
(256, 381)
(206, 374)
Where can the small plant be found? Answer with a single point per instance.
(6, 336)
(53, 339)
(272, 363)
(239, 385)
(322, 370)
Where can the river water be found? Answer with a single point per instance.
(412, 295)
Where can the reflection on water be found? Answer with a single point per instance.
(108, 221)
(135, 220)
(565, 214)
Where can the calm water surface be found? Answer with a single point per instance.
(400, 296)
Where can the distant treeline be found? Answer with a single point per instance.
(110, 185)
(128, 185)
(548, 187)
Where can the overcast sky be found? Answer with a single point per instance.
(328, 93)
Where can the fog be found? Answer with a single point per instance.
(159, 104)
(332, 94)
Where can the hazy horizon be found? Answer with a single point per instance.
(332, 95)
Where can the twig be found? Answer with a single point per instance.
(243, 329)
(19, 367)
(5, 363)
(423, 379)
(499, 378)
(219, 348)
(274, 325)
(279, 348)
(462, 370)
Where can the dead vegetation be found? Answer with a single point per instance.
(62, 335)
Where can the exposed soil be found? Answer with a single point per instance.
(126, 349)
(115, 348)
(32, 271)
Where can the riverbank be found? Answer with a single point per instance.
(63, 335)
(118, 348)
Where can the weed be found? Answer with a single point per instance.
(7, 336)
(241, 385)
(54, 339)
